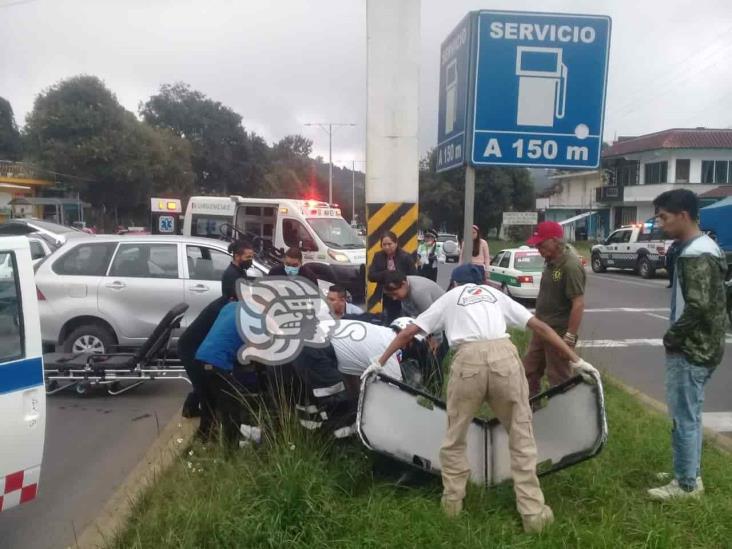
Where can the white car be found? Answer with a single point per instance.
(517, 272)
(448, 247)
(104, 291)
(28, 225)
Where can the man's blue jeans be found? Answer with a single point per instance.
(685, 397)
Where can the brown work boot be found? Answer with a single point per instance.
(534, 524)
(452, 507)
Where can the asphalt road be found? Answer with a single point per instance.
(92, 444)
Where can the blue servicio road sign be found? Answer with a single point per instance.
(539, 89)
(455, 85)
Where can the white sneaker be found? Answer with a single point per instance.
(669, 476)
(673, 491)
(534, 524)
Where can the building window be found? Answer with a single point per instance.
(716, 171)
(720, 172)
(656, 172)
(682, 171)
(626, 175)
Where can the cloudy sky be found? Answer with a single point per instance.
(283, 63)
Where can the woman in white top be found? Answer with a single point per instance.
(481, 254)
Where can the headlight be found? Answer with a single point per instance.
(338, 256)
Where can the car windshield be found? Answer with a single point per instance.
(336, 233)
(446, 237)
(528, 262)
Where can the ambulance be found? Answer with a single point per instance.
(22, 391)
(316, 227)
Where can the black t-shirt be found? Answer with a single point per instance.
(228, 280)
(197, 331)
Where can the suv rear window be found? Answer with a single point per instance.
(528, 262)
(89, 259)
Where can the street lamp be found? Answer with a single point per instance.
(328, 127)
(353, 186)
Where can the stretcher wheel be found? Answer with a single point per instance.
(82, 388)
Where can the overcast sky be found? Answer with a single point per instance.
(282, 63)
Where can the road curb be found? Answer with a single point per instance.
(174, 437)
(721, 442)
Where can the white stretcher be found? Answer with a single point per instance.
(408, 425)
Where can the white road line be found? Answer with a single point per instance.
(658, 316)
(627, 310)
(660, 284)
(652, 342)
(718, 421)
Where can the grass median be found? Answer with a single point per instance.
(299, 490)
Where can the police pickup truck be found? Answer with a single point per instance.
(640, 247)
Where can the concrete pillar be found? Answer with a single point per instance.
(392, 155)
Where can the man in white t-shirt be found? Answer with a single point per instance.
(486, 367)
(355, 344)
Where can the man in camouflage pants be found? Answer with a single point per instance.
(695, 341)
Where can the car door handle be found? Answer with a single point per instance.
(200, 289)
(116, 285)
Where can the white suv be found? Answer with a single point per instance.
(104, 291)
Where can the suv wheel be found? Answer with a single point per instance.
(597, 265)
(89, 338)
(646, 268)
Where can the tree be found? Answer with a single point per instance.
(223, 155)
(497, 189)
(10, 142)
(77, 127)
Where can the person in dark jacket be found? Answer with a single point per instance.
(293, 266)
(390, 258)
(242, 252)
(188, 344)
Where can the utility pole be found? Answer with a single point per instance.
(328, 127)
(353, 185)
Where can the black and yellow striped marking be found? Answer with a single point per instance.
(397, 217)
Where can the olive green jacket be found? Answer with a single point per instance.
(698, 304)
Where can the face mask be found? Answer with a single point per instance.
(246, 264)
(291, 271)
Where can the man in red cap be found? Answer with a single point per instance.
(560, 304)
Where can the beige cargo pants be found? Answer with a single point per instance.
(490, 371)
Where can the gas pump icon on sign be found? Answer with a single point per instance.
(542, 89)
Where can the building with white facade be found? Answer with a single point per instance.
(637, 169)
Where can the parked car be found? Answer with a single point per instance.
(448, 246)
(105, 291)
(41, 246)
(517, 272)
(28, 225)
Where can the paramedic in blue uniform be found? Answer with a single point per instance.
(486, 367)
(226, 384)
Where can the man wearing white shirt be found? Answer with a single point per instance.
(486, 367)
